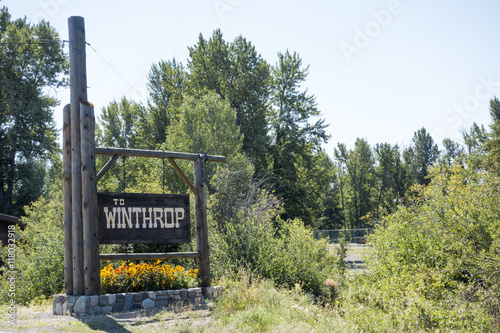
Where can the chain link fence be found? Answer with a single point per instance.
(357, 236)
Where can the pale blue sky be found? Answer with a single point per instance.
(380, 69)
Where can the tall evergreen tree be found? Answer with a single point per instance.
(168, 85)
(492, 144)
(239, 75)
(422, 154)
(32, 59)
(358, 190)
(296, 136)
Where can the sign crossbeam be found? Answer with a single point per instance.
(156, 153)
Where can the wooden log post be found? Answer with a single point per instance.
(68, 259)
(203, 262)
(89, 200)
(78, 84)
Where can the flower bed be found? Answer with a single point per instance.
(129, 287)
(140, 277)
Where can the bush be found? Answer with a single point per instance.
(39, 261)
(435, 264)
(282, 251)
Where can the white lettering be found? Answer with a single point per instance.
(348, 50)
(490, 84)
(150, 218)
(136, 210)
(127, 217)
(172, 218)
(158, 218)
(110, 219)
(221, 8)
(180, 216)
(383, 17)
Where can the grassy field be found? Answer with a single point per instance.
(247, 306)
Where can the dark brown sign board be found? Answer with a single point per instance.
(131, 218)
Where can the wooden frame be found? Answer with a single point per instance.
(81, 238)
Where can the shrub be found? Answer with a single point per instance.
(39, 261)
(435, 263)
(282, 251)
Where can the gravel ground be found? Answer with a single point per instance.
(41, 319)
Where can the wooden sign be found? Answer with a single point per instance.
(130, 218)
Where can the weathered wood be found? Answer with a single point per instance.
(78, 94)
(89, 200)
(203, 262)
(155, 153)
(106, 167)
(149, 256)
(68, 258)
(130, 218)
(182, 175)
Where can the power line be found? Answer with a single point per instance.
(114, 69)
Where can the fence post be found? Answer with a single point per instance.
(203, 262)
(78, 93)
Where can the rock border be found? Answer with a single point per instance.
(193, 298)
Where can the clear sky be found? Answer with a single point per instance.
(380, 69)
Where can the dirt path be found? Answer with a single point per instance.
(41, 319)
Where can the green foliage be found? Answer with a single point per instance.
(237, 74)
(435, 263)
(296, 138)
(283, 251)
(27, 130)
(167, 85)
(492, 145)
(251, 304)
(39, 252)
(421, 155)
(358, 174)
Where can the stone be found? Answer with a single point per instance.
(71, 301)
(107, 309)
(65, 306)
(129, 298)
(176, 292)
(137, 297)
(197, 290)
(183, 293)
(152, 295)
(127, 306)
(148, 303)
(82, 305)
(117, 307)
(95, 311)
(103, 300)
(210, 292)
(111, 299)
(161, 293)
(57, 309)
(161, 298)
(170, 293)
(177, 298)
(161, 304)
(191, 293)
(94, 300)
